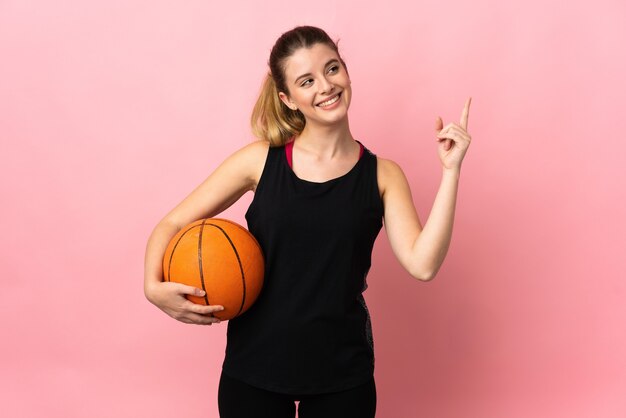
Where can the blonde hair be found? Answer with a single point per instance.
(272, 119)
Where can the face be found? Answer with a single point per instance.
(315, 76)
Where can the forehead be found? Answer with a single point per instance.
(307, 60)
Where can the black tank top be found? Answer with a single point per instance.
(309, 331)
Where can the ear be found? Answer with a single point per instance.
(285, 99)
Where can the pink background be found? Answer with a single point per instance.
(112, 112)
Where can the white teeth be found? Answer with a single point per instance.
(329, 102)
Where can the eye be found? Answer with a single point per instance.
(305, 82)
(336, 67)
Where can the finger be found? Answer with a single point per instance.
(205, 309)
(454, 136)
(452, 127)
(445, 132)
(442, 130)
(191, 290)
(198, 319)
(438, 123)
(465, 113)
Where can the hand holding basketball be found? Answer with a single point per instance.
(220, 257)
(170, 298)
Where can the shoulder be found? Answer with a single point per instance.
(389, 174)
(255, 150)
(252, 158)
(246, 164)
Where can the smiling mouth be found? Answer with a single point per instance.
(330, 101)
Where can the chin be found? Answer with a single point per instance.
(335, 119)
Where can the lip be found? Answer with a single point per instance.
(327, 99)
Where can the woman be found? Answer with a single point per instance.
(320, 198)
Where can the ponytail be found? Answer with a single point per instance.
(271, 119)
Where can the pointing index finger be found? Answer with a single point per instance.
(465, 114)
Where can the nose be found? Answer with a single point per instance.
(326, 86)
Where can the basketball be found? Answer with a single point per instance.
(221, 257)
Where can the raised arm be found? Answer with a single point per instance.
(420, 251)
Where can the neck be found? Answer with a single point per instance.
(327, 142)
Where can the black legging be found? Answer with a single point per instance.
(237, 399)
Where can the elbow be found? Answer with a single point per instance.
(423, 275)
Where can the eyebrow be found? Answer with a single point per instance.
(326, 65)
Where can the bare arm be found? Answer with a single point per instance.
(238, 174)
(421, 251)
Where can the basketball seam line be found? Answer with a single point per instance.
(243, 276)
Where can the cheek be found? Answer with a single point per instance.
(304, 97)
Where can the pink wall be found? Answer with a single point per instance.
(112, 112)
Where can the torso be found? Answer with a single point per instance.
(323, 234)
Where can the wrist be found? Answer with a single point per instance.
(453, 172)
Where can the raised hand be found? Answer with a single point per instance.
(453, 140)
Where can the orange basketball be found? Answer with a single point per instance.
(221, 257)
